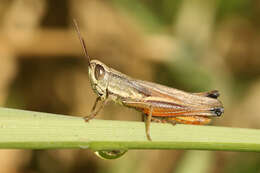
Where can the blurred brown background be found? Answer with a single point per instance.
(194, 45)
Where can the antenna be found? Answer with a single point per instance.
(83, 44)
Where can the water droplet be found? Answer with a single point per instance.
(110, 154)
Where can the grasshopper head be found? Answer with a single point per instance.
(98, 72)
(99, 76)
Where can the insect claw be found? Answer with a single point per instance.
(87, 118)
(148, 137)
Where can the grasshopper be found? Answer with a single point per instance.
(157, 103)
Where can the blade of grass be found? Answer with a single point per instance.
(34, 130)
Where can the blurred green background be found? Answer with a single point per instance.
(194, 45)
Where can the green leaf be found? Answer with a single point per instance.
(33, 130)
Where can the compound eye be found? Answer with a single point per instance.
(99, 72)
